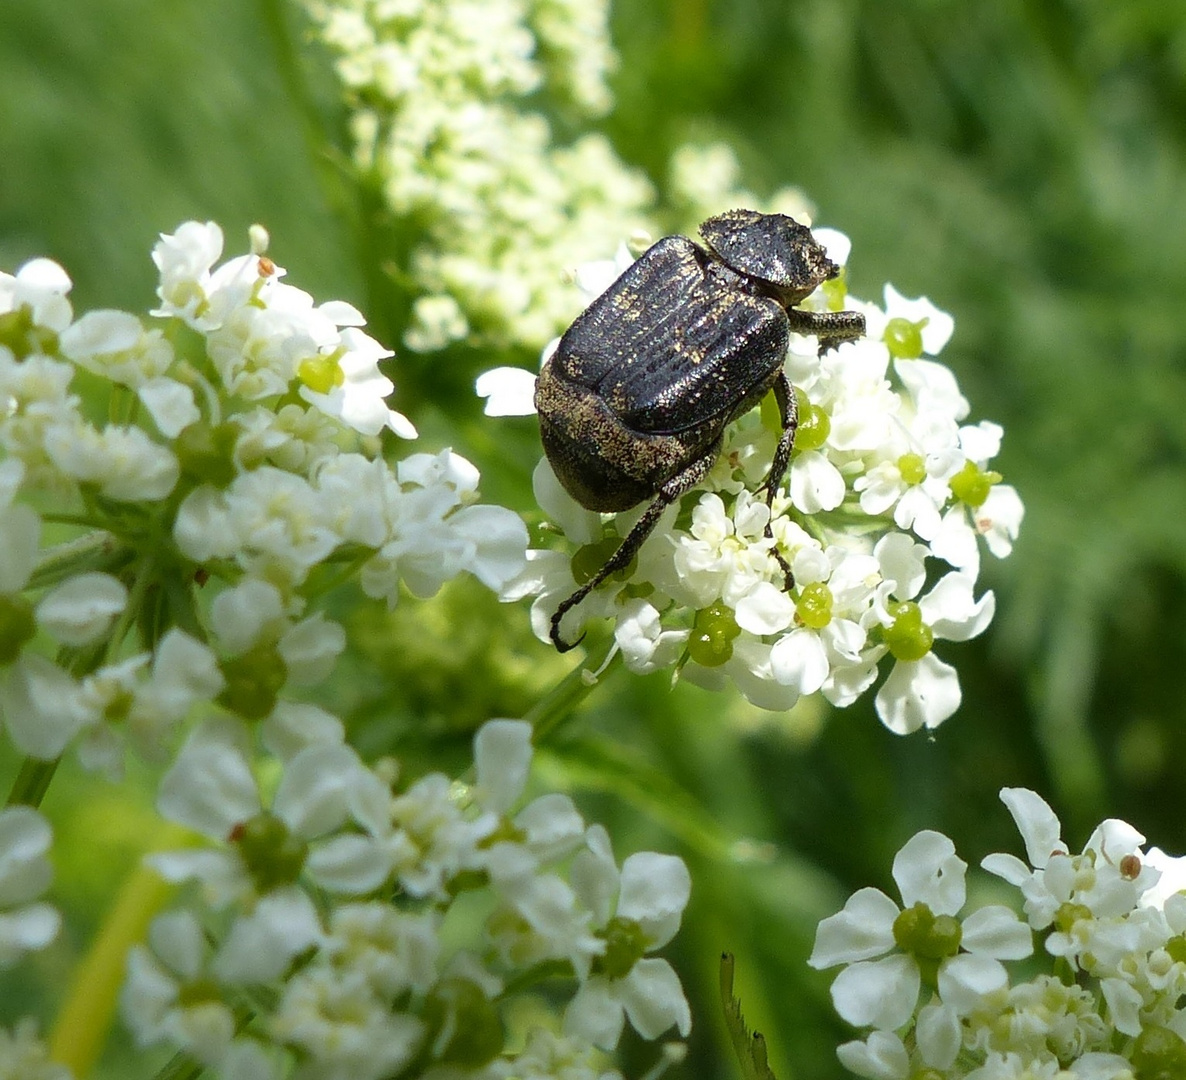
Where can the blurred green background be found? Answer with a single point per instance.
(1020, 163)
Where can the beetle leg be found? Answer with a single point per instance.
(620, 559)
(832, 328)
(788, 408)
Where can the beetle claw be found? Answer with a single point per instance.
(563, 646)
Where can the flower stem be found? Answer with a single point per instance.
(97, 550)
(32, 782)
(85, 1018)
(554, 707)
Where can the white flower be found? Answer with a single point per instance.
(41, 286)
(1103, 883)
(211, 789)
(141, 700)
(42, 706)
(115, 345)
(153, 999)
(123, 462)
(82, 608)
(23, 1056)
(358, 401)
(650, 892)
(342, 1028)
(882, 993)
(25, 872)
(184, 260)
(923, 692)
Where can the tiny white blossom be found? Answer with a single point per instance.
(82, 608)
(651, 892)
(880, 986)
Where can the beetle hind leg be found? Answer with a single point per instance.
(670, 491)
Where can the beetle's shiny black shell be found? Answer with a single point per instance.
(675, 342)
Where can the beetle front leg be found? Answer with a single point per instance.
(832, 328)
(620, 559)
(788, 408)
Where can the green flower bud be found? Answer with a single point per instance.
(713, 631)
(17, 626)
(464, 1026)
(252, 681)
(1176, 947)
(273, 855)
(207, 453)
(814, 606)
(24, 337)
(925, 935)
(625, 945)
(1159, 1054)
(814, 427)
(903, 338)
(1068, 914)
(913, 468)
(322, 373)
(590, 558)
(909, 638)
(971, 484)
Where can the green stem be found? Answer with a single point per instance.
(182, 1066)
(533, 976)
(140, 583)
(98, 550)
(84, 1021)
(32, 782)
(554, 707)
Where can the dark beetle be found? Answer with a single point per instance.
(634, 402)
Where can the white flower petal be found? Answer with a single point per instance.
(509, 391)
(595, 1014)
(210, 787)
(966, 980)
(314, 794)
(918, 693)
(877, 993)
(502, 760)
(20, 538)
(799, 659)
(881, 1056)
(170, 404)
(654, 892)
(862, 930)
(951, 610)
(996, 931)
(928, 871)
(765, 609)
(1039, 826)
(654, 999)
(82, 608)
(939, 1035)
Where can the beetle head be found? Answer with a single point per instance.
(773, 249)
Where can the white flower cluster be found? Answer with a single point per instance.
(444, 95)
(934, 989)
(300, 880)
(241, 458)
(890, 491)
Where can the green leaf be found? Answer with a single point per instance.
(750, 1047)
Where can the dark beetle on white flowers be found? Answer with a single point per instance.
(634, 402)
